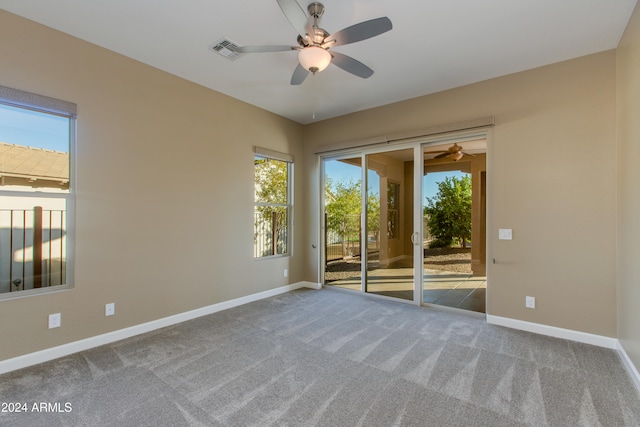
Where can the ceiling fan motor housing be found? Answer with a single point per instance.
(317, 38)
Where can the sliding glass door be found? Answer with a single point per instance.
(368, 223)
(454, 224)
(343, 249)
(409, 223)
(389, 225)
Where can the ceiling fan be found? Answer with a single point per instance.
(314, 42)
(454, 152)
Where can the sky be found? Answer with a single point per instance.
(343, 172)
(34, 129)
(340, 171)
(430, 181)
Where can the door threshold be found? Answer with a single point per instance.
(453, 310)
(369, 294)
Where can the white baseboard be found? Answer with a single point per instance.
(628, 364)
(30, 359)
(312, 285)
(552, 331)
(568, 334)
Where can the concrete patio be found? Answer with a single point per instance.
(450, 289)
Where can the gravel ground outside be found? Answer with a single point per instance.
(457, 260)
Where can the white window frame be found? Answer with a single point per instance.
(43, 104)
(265, 153)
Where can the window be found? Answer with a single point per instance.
(36, 197)
(393, 207)
(272, 215)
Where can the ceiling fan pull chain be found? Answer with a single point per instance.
(314, 96)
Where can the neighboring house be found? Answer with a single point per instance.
(23, 219)
(34, 168)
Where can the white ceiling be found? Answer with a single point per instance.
(434, 44)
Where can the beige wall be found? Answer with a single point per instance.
(560, 202)
(164, 190)
(628, 67)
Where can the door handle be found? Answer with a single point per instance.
(414, 238)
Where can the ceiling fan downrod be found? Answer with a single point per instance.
(316, 9)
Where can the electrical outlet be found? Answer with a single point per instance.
(110, 309)
(286, 273)
(530, 302)
(505, 234)
(54, 320)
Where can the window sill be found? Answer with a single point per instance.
(34, 292)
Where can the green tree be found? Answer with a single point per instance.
(373, 216)
(449, 212)
(271, 178)
(343, 205)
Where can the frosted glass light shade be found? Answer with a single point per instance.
(314, 58)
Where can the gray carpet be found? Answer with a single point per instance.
(330, 358)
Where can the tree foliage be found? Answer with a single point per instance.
(373, 215)
(343, 205)
(270, 181)
(342, 199)
(449, 212)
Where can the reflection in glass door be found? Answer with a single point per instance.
(389, 224)
(343, 222)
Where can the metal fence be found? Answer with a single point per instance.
(270, 232)
(32, 248)
(342, 237)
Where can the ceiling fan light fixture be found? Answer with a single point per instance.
(314, 58)
(457, 156)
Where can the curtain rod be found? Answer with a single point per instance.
(408, 135)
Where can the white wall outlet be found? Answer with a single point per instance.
(54, 320)
(286, 273)
(505, 234)
(110, 309)
(530, 302)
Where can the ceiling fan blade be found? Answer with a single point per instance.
(296, 16)
(299, 74)
(440, 156)
(258, 49)
(358, 32)
(351, 65)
